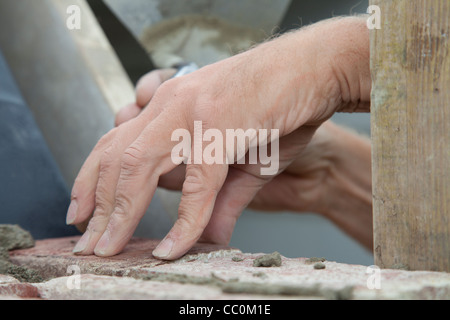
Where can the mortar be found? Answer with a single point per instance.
(13, 237)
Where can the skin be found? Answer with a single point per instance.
(331, 176)
(294, 83)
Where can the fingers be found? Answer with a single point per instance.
(135, 176)
(95, 187)
(200, 190)
(237, 192)
(132, 198)
(108, 177)
(103, 185)
(243, 183)
(149, 84)
(145, 90)
(83, 192)
(127, 113)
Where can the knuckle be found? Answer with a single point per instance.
(106, 160)
(122, 206)
(101, 204)
(123, 210)
(179, 91)
(194, 182)
(187, 98)
(164, 92)
(192, 224)
(97, 223)
(204, 180)
(106, 139)
(133, 158)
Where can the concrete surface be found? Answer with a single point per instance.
(207, 272)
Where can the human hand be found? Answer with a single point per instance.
(145, 90)
(264, 88)
(331, 176)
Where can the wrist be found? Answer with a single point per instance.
(324, 68)
(345, 47)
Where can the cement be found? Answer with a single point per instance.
(268, 260)
(261, 275)
(237, 259)
(315, 260)
(234, 286)
(345, 293)
(13, 237)
(319, 266)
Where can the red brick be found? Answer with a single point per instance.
(207, 272)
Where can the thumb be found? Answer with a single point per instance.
(200, 189)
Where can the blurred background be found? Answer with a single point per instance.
(71, 82)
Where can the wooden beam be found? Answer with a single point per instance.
(410, 62)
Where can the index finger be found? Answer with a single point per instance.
(142, 163)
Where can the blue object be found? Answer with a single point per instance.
(33, 193)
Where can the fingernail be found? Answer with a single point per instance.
(102, 244)
(72, 212)
(82, 243)
(164, 249)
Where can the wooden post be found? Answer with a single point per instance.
(410, 62)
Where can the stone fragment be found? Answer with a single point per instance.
(319, 266)
(268, 260)
(13, 237)
(314, 260)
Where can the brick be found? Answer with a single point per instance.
(12, 288)
(206, 272)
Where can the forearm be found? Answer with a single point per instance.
(327, 66)
(341, 57)
(315, 71)
(345, 47)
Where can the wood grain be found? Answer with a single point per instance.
(410, 66)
